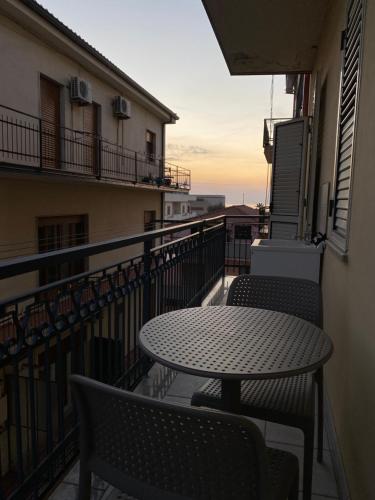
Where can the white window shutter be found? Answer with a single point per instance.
(352, 46)
(288, 178)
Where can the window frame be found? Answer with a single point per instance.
(60, 157)
(151, 156)
(55, 221)
(242, 228)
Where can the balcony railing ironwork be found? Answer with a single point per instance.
(241, 230)
(88, 324)
(27, 141)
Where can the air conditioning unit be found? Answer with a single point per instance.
(122, 108)
(80, 91)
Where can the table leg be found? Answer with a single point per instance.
(231, 395)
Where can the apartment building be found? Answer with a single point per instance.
(181, 206)
(81, 144)
(177, 206)
(323, 180)
(205, 203)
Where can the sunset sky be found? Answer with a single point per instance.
(168, 46)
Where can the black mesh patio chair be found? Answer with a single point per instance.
(288, 401)
(152, 450)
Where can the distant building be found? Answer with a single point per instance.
(205, 203)
(180, 206)
(177, 206)
(244, 228)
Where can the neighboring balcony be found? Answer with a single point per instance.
(30, 144)
(268, 136)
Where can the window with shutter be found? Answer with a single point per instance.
(89, 140)
(50, 114)
(352, 47)
(55, 233)
(150, 145)
(288, 178)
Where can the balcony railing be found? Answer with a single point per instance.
(268, 135)
(27, 141)
(237, 242)
(88, 324)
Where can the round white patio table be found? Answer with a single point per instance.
(235, 343)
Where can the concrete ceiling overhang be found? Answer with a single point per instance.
(267, 36)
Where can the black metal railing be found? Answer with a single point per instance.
(240, 232)
(86, 324)
(27, 141)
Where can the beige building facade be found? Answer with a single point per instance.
(348, 278)
(73, 167)
(332, 43)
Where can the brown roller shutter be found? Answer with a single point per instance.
(90, 127)
(50, 113)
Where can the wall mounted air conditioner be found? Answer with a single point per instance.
(122, 108)
(80, 91)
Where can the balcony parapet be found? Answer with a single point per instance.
(30, 144)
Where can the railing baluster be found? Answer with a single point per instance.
(147, 281)
(47, 390)
(33, 431)
(60, 388)
(40, 144)
(18, 423)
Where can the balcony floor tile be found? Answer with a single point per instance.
(324, 483)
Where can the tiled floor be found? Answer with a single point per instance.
(165, 384)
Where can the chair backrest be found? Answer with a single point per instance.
(154, 450)
(294, 296)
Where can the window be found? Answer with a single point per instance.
(55, 233)
(88, 160)
(50, 128)
(150, 145)
(176, 207)
(352, 49)
(242, 232)
(149, 220)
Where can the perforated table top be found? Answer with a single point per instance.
(231, 342)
